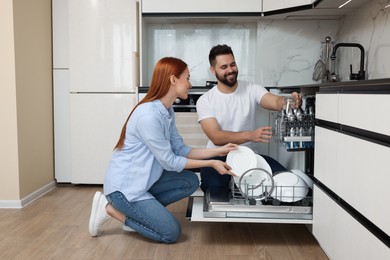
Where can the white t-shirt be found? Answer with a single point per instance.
(234, 111)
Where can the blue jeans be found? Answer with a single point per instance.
(210, 178)
(149, 217)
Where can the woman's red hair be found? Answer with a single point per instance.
(159, 86)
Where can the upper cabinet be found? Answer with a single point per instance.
(221, 6)
(273, 5)
(201, 6)
(274, 9)
(60, 34)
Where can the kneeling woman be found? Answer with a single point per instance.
(147, 170)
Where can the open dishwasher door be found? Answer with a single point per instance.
(217, 206)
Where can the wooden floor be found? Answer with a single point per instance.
(56, 227)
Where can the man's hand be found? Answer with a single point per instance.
(262, 134)
(298, 100)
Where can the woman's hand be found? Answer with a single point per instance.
(224, 150)
(222, 167)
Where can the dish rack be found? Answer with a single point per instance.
(295, 128)
(270, 195)
(236, 205)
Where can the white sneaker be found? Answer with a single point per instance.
(98, 213)
(127, 228)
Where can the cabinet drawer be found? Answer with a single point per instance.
(190, 130)
(327, 107)
(340, 235)
(356, 170)
(369, 112)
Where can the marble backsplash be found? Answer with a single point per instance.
(277, 52)
(370, 26)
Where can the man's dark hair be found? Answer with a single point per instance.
(219, 50)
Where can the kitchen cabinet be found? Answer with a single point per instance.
(273, 5)
(61, 90)
(220, 6)
(95, 79)
(352, 147)
(200, 6)
(340, 235)
(96, 123)
(60, 34)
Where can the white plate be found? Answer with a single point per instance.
(289, 187)
(241, 160)
(262, 163)
(304, 176)
(254, 183)
(252, 179)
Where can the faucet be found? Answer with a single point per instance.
(353, 76)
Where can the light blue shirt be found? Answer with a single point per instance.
(152, 144)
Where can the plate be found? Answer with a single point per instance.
(262, 163)
(289, 187)
(304, 176)
(241, 160)
(257, 182)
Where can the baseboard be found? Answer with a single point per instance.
(17, 204)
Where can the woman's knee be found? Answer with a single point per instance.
(172, 233)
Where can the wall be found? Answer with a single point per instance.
(27, 158)
(9, 171)
(370, 27)
(270, 52)
(192, 42)
(287, 50)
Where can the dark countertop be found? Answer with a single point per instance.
(193, 90)
(358, 86)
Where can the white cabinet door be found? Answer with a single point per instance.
(200, 6)
(61, 125)
(340, 235)
(353, 241)
(327, 107)
(356, 171)
(324, 221)
(96, 123)
(102, 42)
(326, 157)
(363, 178)
(190, 130)
(60, 34)
(272, 5)
(369, 112)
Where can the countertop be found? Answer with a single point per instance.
(359, 86)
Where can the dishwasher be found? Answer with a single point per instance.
(265, 201)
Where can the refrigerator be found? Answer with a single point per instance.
(95, 78)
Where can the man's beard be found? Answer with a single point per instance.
(224, 79)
